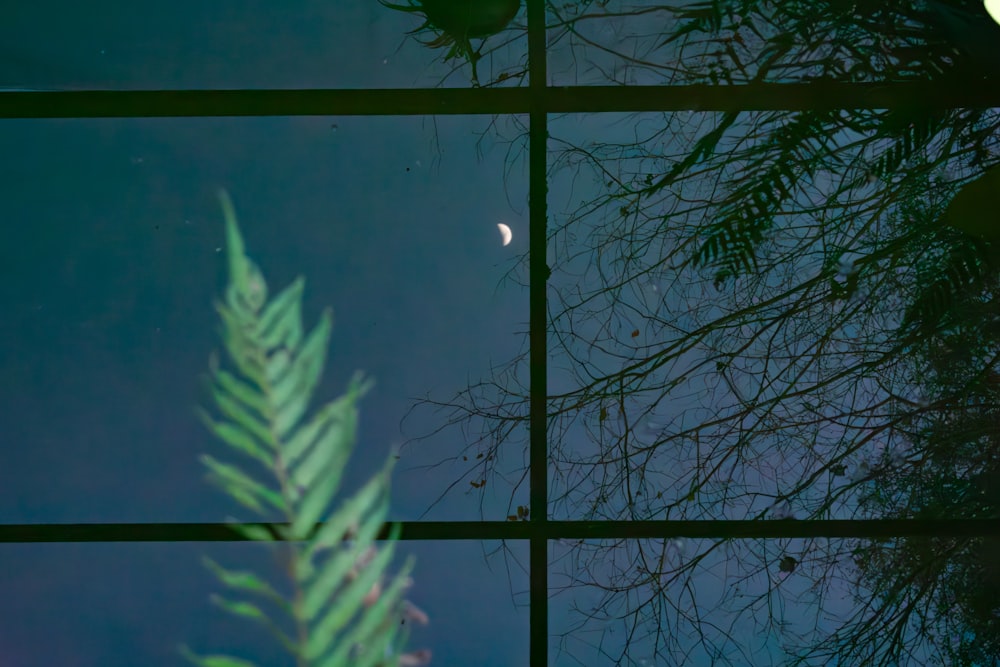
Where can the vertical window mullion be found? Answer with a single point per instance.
(538, 612)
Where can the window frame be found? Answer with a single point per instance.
(538, 101)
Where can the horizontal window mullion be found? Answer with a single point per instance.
(592, 99)
(498, 530)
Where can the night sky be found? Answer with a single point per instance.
(113, 253)
(113, 256)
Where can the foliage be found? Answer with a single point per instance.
(743, 307)
(341, 613)
(954, 471)
(455, 23)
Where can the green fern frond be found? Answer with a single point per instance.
(340, 613)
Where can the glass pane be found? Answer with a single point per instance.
(110, 45)
(115, 255)
(644, 42)
(773, 315)
(904, 602)
(116, 605)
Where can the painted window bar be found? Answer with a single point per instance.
(538, 101)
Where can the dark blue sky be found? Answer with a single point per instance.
(113, 254)
(112, 258)
(227, 44)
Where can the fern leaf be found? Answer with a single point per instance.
(213, 660)
(247, 582)
(281, 323)
(253, 612)
(320, 470)
(250, 531)
(240, 345)
(341, 611)
(230, 477)
(961, 274)
(792, 149)
(334, 530)
(237, 438)
(238, 608)
(353, 595)
(241, 391)
(324, 583)
(253, 423)
(371, 624)
(325, 423)
(703, 149)
(291, 392)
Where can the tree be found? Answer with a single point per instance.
(780, 275)
(455, 23)
(947, 588)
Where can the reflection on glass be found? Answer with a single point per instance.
(456, 23)
(261, 394)
(290, 45)
(772, 315)
(134, 603)
(116, 252)
(644, 42)
(896, 601)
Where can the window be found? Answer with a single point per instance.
(751, 421)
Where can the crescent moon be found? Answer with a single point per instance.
(993, 7)
(505, 233)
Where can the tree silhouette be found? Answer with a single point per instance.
(743, 308)
(455, 23)
(946, 588)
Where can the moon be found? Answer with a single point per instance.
(993, 7)
(505, 233)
